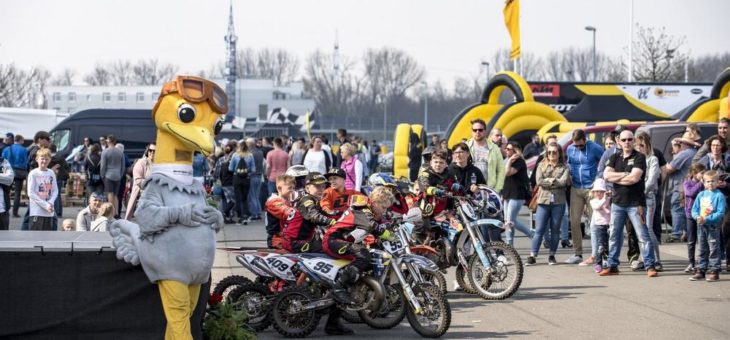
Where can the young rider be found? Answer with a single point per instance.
(343, 240)
(336, 197)
(299, 230)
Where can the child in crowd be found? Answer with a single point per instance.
(278, 207)
(601, 218)
(104, 218)
(42, 192)
(692, 187)
(69, 225)
(434, 182)
(708, 210)
(335, 199)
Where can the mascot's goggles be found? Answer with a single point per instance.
(196, 90)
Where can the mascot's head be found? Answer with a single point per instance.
(188, 114)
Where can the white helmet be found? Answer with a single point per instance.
(299, 172)
(489, 201)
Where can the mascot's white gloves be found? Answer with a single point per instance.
(208, 215)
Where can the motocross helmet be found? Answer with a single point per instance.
(299, 172)
(381, 179)
(426, 154)
(489, 202)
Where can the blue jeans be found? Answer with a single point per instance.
(549, 216)
(254, 202)
(58, 204)
(649, 218)
(616, 235)
(678, 217)
(709, 242)
(512, 208)
(563, 226)
(691, 240)
(272, 187)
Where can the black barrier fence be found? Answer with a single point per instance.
(81, 295)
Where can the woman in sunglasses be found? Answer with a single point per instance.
(553, 177)
(140, 171)
(516, 189)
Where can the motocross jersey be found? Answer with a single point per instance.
(278, 209)
(334, 202)
(339, 243)
(302, 223)
(430, 181)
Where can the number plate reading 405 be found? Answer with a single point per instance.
(394, 247)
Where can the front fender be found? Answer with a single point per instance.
(424, 249)
(419, 261)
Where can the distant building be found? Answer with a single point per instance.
(255, 98)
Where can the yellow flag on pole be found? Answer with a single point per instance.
(309, 127)
(512, 21)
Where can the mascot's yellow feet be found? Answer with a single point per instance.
(178, 302)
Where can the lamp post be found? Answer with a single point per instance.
(486, 64)
(425, 106)
(593, 29)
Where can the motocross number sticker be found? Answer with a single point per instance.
(281, 266)
(325, 267)
(394, 247)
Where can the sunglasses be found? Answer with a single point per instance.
(477, 130)
(627, 140)
(552, 152)
(196, 90)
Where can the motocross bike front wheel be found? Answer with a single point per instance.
(434, 318)
(504, 275)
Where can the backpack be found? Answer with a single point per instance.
(94, 174)
(242, 169)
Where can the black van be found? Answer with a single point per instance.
(133, 128)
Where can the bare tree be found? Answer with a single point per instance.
(707, 67)
(279, 65)
(65, 78)
(121, 73)
(99, 76)
(334, 90)
(152, 72)
(654, 53)
(390, 72)
(20, 88)
(531, 65)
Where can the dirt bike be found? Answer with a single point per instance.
(493, 270)
(409, 293)
(296, 310)
(273, 270)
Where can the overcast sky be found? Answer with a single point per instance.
(448, 37)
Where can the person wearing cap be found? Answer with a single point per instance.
(600, 220)
(7, 141)
(89, 214)
(6, 180)
(335, 199)
(676, 171)
(299, 230)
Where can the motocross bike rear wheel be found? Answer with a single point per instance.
(463, 281)
(434, 318)
(254, 298)
(391, 312)
(288, 320)
(502, 278)
(228, 284)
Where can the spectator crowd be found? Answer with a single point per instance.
(600, 190)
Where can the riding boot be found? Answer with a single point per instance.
(334, 324)
(348, 275)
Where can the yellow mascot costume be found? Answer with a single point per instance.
(174, 234)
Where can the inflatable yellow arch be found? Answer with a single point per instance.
(706, 110)
(517, 120)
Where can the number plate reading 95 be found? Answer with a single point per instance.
(394, 247)
(323, 267)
